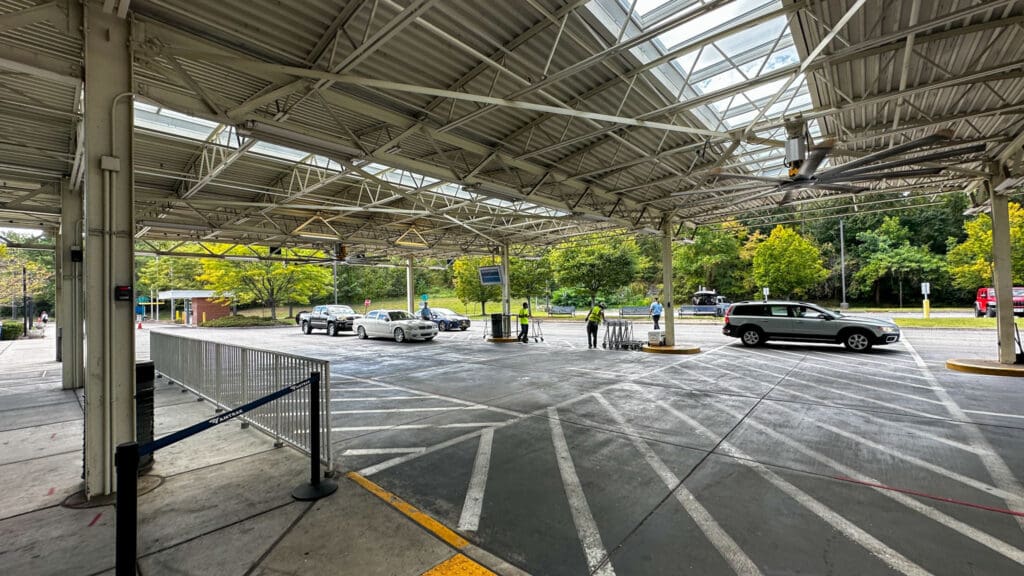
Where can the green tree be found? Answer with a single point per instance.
(970, 261)
(529, 278)
(887, 252)
(38, 278)
(467, 282)
(168, 273)
(595, 263)
(267, 282)
(787, 263)
(712, 260)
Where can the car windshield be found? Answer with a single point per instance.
(400, 315)
(814, 311)
(443, 312)
(340, 310)
(1018, 292)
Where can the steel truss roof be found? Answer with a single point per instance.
(462, 125)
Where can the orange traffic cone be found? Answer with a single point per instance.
(140, 325)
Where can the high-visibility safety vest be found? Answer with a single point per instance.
(595, 315)
(524, 316)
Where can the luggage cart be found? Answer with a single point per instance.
(618, 335)
(536, 331)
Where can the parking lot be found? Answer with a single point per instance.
(785, 458)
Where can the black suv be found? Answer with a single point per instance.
(755, 322)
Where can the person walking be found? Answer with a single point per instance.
(656, 311)
(425, 311)
(524, 323)
(594, 318)
(44, 317)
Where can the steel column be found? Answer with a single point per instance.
(410, 287)
(669, 317)
(1002, 275)
(70, 308)
(109, 226)
(506, 299)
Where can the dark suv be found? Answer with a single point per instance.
(755, 322)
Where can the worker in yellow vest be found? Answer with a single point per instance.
(594, 318)
(524, 323)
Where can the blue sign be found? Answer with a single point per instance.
(423, 297)
(490, 275)
(140, 309)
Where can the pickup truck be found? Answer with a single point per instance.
(985, 302)
(331, 317)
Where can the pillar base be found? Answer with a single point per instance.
(986, 367)
(677, 349)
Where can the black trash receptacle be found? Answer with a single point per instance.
(144, 383)
(498, 326)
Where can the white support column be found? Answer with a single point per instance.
(669, 318)
(410, 287)
(1003, 276)
(506, 298)
(109, 231)
(70, 307)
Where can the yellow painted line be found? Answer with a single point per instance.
(433, 526)
(458, 565)
(990, 368)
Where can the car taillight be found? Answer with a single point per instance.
(727, 312)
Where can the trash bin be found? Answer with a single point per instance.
(498, 326)
(144, 384)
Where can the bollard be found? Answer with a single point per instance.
(126, 461)
(317, 487)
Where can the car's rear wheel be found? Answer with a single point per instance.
(752, 336)
(362, 333)
(857, 341)
(306, 328)
(399, 335)
(977, 311)
(441, 326)
(332, 329)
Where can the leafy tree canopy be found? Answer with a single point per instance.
(888, 252)
(970, 261)
(712, 260)
(467, 281)
(528, 278)
(267, 282)
(787, 263)
(595, 263)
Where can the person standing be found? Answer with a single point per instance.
(425, 311)
(656, 311)
(594, 318)
(524, 323)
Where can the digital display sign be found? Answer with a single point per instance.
(490, 275)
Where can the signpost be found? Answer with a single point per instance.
(926, 289)
(765, 292)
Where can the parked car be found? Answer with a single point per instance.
(985, 302)
(707, 302)
(331, 317)
(448, 320)
(756, 322)
(397, 324)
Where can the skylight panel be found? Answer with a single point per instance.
(162, 120)
(276, 151)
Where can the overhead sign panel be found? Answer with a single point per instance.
(490, 275)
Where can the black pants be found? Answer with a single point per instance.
(591, 334)
(656, 318)
(524, 332)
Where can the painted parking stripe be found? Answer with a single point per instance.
(474, 501)
(458, 565)
(374, 451)
(378, 398)
(395, 410)
(719, 538)
(999, 414)
(586, 527)
(1001, 474)
(876, 547)
(418, 426)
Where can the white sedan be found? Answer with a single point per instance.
(397, 324)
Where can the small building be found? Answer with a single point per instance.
(199, 306)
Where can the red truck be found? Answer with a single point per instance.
(985, 302)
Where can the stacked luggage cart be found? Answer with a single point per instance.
(618, 335)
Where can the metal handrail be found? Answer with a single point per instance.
(230, 376)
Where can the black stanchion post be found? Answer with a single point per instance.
(317, 487)
(126, 461)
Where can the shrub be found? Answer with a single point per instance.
(244, 322)
(11, 330)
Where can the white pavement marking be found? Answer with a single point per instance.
(955, 476)
(374, 398)
(683, 361)
(890, 557)
(994, 463)
(864, 374)
(586, 527)
(417, 426)
(474, 502)
(370, 451)
(719, 538)
(374, 389)
(451, 399)
(394, 410)
(1000, 414)
(371, 470)
(963, 528)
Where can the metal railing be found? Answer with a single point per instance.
(230, 376)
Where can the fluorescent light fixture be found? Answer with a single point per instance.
(242, 258)
(173, 225)
(145, 253)
(318, 235)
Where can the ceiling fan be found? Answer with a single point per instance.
(804, 174)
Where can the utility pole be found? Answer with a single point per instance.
(24, 300)
(842, 264)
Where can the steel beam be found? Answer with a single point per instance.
(70, 306)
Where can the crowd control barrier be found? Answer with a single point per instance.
(126, 461)
(230, 376)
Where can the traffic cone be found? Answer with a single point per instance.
(140, 325)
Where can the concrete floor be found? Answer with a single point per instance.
(786, 459)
